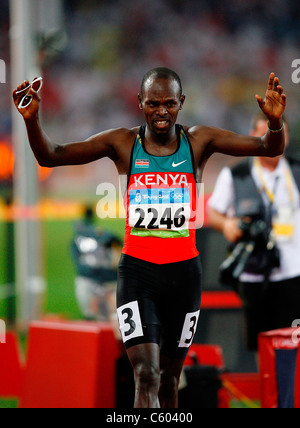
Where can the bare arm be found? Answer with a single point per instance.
(229, 143)
(50, 154)
(271, 145)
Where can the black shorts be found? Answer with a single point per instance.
(159, 303)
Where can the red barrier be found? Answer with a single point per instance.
(220, 300)
(244, 387)
(207, 355)
(70, 365)
(269, 343)
(11, 369)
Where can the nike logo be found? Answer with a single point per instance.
(175, 165)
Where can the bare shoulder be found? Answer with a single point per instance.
(116, 136)
(200, 133)
(125, 132)
(200, 138)
(204, 136)
(121, 142)
(123, 137)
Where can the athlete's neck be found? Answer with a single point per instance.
(162, 140)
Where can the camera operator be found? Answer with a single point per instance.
(256, 205)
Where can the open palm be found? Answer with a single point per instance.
(274, 103)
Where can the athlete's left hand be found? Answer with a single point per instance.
(274, 103)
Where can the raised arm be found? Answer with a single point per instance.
(50, 154)
(271, 145)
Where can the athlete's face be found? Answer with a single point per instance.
(161, 103)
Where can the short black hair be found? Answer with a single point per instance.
(161, 73)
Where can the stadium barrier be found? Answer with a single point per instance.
(279, 357)
(70, 365)
(11, 368)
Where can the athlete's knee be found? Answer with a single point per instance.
(169, 381)
(147, 375)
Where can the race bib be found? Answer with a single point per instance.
(155, 210)
(189, 329)
(130, 321)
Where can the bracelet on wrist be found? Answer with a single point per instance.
(275, 131)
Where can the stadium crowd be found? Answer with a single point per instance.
(223, 51)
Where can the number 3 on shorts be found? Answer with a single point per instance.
(130, 321)
(189, 329)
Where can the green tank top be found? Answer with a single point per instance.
(161, 202)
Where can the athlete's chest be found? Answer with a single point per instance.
(179, 161)
(161, 191)
(160, 150)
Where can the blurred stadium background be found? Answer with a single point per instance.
(92, 55)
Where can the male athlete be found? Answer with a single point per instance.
(159, 289)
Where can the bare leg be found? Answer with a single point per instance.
(171, 369)
(145, 360)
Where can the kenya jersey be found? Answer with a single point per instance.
(161, 202)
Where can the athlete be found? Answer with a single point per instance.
(159, 291)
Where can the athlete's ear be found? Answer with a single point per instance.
(182, 100)
(140, 102)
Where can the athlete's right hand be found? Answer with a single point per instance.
(31, 111)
